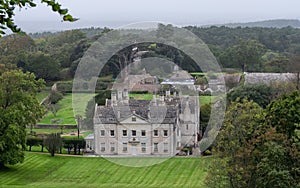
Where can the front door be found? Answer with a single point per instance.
(133, 150)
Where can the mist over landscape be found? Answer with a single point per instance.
(117, 13)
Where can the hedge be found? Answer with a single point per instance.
(68, 142)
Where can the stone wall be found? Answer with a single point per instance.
(267, 78)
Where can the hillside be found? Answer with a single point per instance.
(278, 23)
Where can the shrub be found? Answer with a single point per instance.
(55, 96)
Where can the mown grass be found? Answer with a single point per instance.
(205, 100)
(41, 170)
(141, 96)
(66, 112)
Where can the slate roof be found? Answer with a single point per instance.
(143, 108)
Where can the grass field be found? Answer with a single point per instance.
(66, 111)
(204, 99)
(141, 96)
(41, 170)
(42, 95)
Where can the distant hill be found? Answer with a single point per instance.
(89, 32)
(278, 23)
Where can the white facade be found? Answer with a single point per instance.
(144, 129)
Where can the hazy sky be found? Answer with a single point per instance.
(114, 13)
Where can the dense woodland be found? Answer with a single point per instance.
(55, 56)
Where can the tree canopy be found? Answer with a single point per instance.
(259, 93)
(18, 108)
(258, 148)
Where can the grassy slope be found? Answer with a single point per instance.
(42, 95)
(44, 171)
(66, 110)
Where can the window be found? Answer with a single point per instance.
(187, 127)
(124, 147)
(155, 133)
(103, 146)
(112, 132)
(133, 118)
(133, 132)
(143, 133)
(102, 132)
(143, 147)
(165, 147)
(155, 147)
(165, 132)
(124, 132)
(112, 146)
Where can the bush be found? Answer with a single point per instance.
(138, 92)
(73, 143)
(201, 80)
(259, 93)
(34, 141)
(64, 87)
(205, 93)
(54, 97)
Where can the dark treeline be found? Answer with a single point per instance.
(270, 49)
(55, 56)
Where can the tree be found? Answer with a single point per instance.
(205, 111)
(246, 55)
(53, 143)
(272, 170)
(235, 166)
(277, 64)
(54, 97)
(284, 114)
(259, 93)
(18, 108)
(259, 148)
(42, 65)
(13, 49)
(7, 12)
(294, 66)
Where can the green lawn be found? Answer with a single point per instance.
(42, 95)
(204, 100)
(66, 111)
(142, 96)
(41, 170)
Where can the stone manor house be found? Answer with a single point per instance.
(159, 127)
